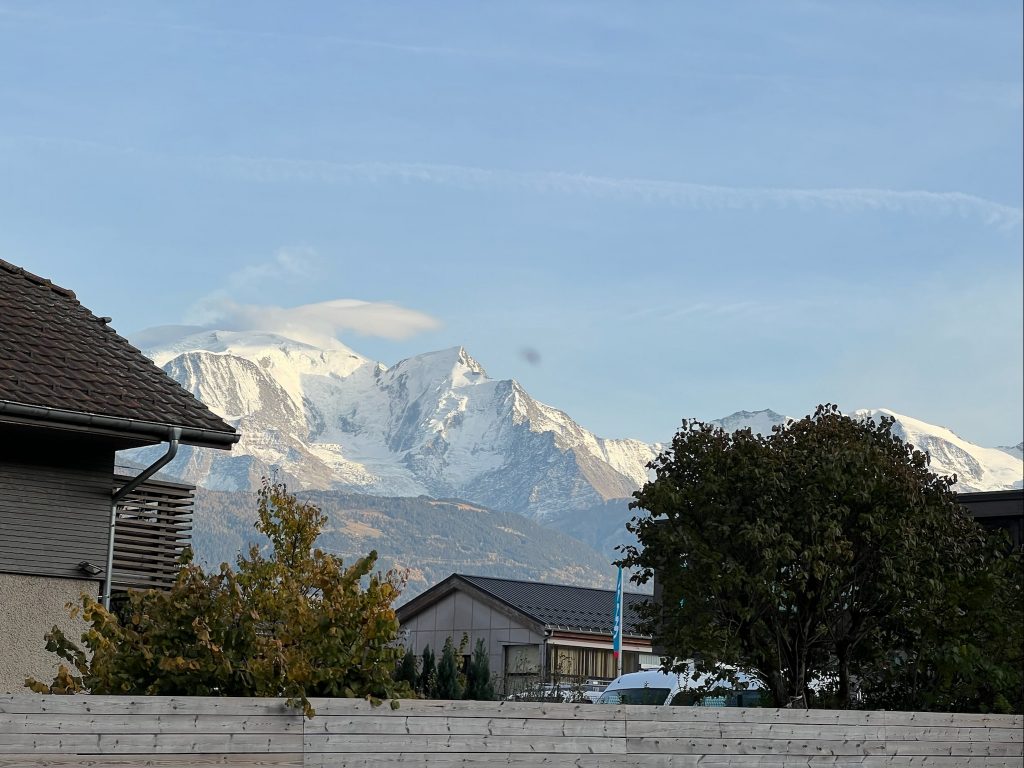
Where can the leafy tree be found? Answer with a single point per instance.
(810, 554)
(428, 673)
(294, 622)
(448, 684)
(407, 670)
(963, 660)
(479, 685)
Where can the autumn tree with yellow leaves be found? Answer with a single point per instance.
(288, 620)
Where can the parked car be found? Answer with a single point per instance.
(642, 688)
(592, 690)
(661, 688)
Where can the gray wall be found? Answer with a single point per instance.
(458, 612)
(55, 494)
(29, 607)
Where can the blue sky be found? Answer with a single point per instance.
(642, 211)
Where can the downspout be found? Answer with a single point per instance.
(120, 493)
(545, 673)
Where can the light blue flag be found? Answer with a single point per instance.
(617, 617)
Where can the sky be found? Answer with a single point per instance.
(643, 212)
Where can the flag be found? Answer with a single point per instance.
(617, 617)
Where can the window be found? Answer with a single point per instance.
(589, 662)
(522, 659)
(643, 695)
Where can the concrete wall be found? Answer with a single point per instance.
(29, 607)
(459, 612)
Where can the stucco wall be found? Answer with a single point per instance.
(29, 607)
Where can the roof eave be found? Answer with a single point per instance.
(565, 630)
(100, 424)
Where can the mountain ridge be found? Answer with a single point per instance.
(436, 424)
(433, 424)
(339, 427)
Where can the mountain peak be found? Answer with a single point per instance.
(167, 342)
(454, 363)
(758, 422)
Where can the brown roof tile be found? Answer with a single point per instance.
(54, 353)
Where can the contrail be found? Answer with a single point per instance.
(678, 194)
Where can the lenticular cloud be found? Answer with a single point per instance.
(318, 323)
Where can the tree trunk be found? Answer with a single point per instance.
(843, 656)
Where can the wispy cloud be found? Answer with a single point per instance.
(633, 190)
(677, 194)
(291, 263)
(713, 310)
(91, 17)
(250, 281)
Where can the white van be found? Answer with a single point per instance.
(643, 688)
(655, 687)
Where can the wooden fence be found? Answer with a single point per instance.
(168, 732)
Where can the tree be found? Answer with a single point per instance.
(407, 670)
(428, 673)
(809, 554)
(295, 622)
(448, 684)
(479, 685)
(963, 660)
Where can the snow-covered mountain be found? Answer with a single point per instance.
(434, 424)
(976, 468)
(437, 425)
(758, 422)
(1017, 451)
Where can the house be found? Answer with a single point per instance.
(72, 393)
(532, 631)
(995, 510)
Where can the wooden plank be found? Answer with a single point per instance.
(423, 743)
(520, 709)
(490, 759)
(705, 746)
(956, 748)
(852, 746)
(523, 760)
(135, 532)
(144, 743)
(249, 760)
(142, 705)
(757, 715)
(737, 730)
(465, 726)
(959, 719)
(952, 733)
(748, 730)
(152, 723)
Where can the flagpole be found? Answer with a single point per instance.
(617, 626)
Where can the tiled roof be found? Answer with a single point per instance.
(56, 354)
(580, 609)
